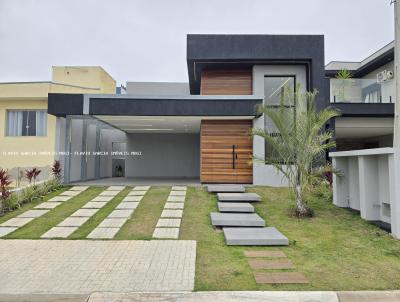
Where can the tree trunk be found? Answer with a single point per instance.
(301, 207)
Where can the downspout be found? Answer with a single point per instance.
(396, 135)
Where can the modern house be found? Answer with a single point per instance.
(198, 130)
(27, 132)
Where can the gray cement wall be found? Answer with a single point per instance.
(163, 155)
(157, 88)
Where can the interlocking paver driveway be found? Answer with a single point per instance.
(84, 266)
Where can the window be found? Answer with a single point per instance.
(275, 88)
(26, 123)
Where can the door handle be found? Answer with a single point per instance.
(233, 156)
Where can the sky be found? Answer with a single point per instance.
(145, 40)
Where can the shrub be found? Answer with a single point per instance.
(56, 170)
(32, 174)
(5, 181)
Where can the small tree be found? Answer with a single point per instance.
(32, 174)
(301, 141)
(56, 170)
(5, 181)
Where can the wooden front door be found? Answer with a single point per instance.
(226, 151)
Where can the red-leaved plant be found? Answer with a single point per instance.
(5, 181)
(56, 169)
(32, 174)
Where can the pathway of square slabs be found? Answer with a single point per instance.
(80, 216)
(169, 223)
(13, 224)
(110, 226)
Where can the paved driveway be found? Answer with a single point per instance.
(74, 267)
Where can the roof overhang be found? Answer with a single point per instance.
(60, 104)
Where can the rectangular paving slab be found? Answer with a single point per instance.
(94, 205)
(115, 188)
(112, 223)
(137, 193)
(70, 193)
(174, 205)
(166, 233)
(59, 232)
(103, 233)
(141, 188)
(171, 213)
(133, 198)
(6, 230)
(268, 254)
(48, 205)
(226, 188)
(169, 223)
(60, 198)
(176, 198)
(73, 221)
(237, 219)
(241, 197)
(121, 213)
(177, 193)
(270, 264)
(239, 207)
(102, 198)
(79, 188)
(109, 193)
(178, 188)
(254, 236)
(127, 205)
(33, 213)
(17, 222)
(280, 278)
(84, 212)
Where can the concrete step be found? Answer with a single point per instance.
(237, 207)
(236, 219)
(239, 197)
(254, 236)
(226, 188)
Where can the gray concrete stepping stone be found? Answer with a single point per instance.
(70, 193)
(112, 223)
(237, 219)
(103, 198)
(238, 207)
(176, 198)
(84, 213)
(178, 188)
(59, 232)
(254, 236)
(256, 264)
(168, 223)
(109, 193)
(174, 205)
(60, 198)
(115, 188)
(177, 193)
(280, 278)
(79, 188)
(226, 188)
(141, 188)
(121, 213)
(6, 230)
(127, 205)
(132, 198)
(166, 233)
(103, 233)
(73, 221)
(17, 222)
(33, 213)
(269, 254)
(94, 205)
(246, 197)
(172, 213)
(137, 193)
(48, 205)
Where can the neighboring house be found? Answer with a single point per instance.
(366, 101)
(27, 132)
(198, 130)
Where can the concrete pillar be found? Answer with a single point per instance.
(340, 184)
(394, 177)
(369, 188)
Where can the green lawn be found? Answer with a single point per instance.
(336, 250)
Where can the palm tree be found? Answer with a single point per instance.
(300, 141)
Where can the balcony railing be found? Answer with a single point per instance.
(362, 91)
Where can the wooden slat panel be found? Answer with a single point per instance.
(226, 82)
(217, 138)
